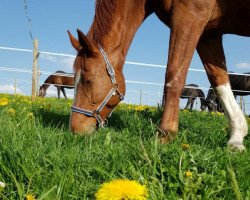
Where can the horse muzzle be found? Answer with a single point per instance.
(82, 125)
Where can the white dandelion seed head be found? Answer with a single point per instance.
(2, 184)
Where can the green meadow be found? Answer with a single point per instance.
(39, 156)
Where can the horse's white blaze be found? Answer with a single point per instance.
(77, 79)
(237, 121)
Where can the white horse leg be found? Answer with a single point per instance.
(211, 52)
(237, 121)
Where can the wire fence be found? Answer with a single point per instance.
(138, 91)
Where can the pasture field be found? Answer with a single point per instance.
(40, 157)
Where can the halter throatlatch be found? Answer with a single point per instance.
(114, 90)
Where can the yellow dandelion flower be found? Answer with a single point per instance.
(11, 111)
(140, 108)
(220, 113)
(188, 174)
(186, 111)
(30, 197)
(4, 102)
(30, 115)
(130, 108)
(185, 146)
(122, 190)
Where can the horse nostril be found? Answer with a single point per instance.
(84, 126)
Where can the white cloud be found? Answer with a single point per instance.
(243, 65)
(10, 89)
(68, 63)
(65, 63)
(49, 57)
(52, 92)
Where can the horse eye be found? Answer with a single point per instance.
(85, 81)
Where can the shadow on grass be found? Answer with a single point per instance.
(118, 120)
(129, 119)
(53, 119)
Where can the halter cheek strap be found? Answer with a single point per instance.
(114, 90)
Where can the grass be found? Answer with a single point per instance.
(39, 156)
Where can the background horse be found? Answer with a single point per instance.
(240, 85)
(194, 24)
(212, 101)
(191, 92)
(60, 80)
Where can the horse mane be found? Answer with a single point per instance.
(60, 71)
(103, 19)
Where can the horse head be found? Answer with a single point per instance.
(42, 92)
(98, 86)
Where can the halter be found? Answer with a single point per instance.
(114, 90)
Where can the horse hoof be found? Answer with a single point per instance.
(166, 138)
(236, 146)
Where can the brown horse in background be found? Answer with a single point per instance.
(60, 80)
(194, 24)
(240, 85)
(191, 92)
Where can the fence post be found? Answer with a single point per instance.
(244, 106)
(159, 97)
(140, 96)
(241, 103)
(15, 86)
(38, 79)
(34, 70)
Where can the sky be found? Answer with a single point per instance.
(48, 21)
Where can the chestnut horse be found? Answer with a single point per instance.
(60, 80)
(194, 24)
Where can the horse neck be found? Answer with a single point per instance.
(202, 97)
(115, 35)
(47, 83)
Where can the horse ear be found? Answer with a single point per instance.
(75, 43)
(84, 42)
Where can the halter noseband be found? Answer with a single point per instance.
(114, 90)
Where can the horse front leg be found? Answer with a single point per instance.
(192, 103)
(211, 53)
(188, 103)
(64, 93)
(58, 91)
(186, 28)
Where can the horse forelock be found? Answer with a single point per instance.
(103, 19)
(77, 63)
(75, 67)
